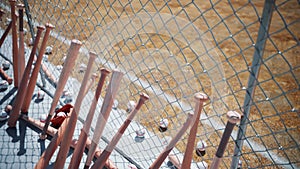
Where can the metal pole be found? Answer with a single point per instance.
(253, 78)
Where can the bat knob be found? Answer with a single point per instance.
(104, 71)
(144, 97)
(201, 96)
(233, 117)
(49, 26)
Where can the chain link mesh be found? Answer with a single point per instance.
(173, 49)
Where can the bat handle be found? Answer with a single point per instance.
(233, 118)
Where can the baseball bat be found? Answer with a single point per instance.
(233, 118)
(21, 54)
(69, 64)
(20, 96)
(35, 71)
(67, 136)
(100, 162)
(162, 156)
(78, 152)
(52, 131)
(104, 112)
(6, 76)
(14, 42)
(200, 98)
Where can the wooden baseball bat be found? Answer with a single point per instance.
(104, 112)
(161, 158)
(78, 152)
(233, 118)
(200, 98)
(6, 76)
(20, 96)
(52, 131)
(100, 162)
(14, 42)
(21, 54)
(69, 64)
(68, 133)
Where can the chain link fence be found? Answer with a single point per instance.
(243, 54)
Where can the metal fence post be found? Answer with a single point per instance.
(265, 21)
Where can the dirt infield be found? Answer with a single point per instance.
(169, 60)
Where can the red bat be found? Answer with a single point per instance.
(78, 152)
